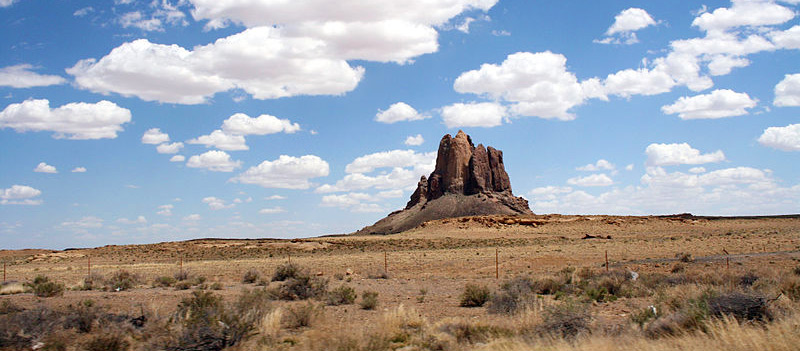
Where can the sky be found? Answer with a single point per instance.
(126, 121)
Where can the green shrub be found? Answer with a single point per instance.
(286, 271)
(44, 287)
(369, 300)
(181, 275)
(565, 321)
(475, 296)
(302, 287)
(299, 316)
(92, 282)
(82, 317)
(514, 295)
(343, 295)
(122, 280)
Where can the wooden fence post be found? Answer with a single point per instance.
(385, 263)
(606, 260)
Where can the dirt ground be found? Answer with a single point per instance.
(429, 266)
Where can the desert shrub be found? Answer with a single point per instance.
(691, 316)
(251, 276)
(742, 306)
(302, 287)
(796, 270)
(183, 285)
(378, 275)
(164, 281)
(19, 329)
(42, 286)
(565, 321)
(790, 286)
(107, 342)
(338, 276)
(82, 317)
(585, 273)
(475, 296)
(514, 295)
(684, 257)
(644, 315)
(181, 275)
(216, 286)
(122, 280)
(207, 324)
(369, 300)
(301, 315)
(465, 332)
(548, 286)
(92, 282)
(343, 295)
(286, 271)
(748, 279)
(7, 307)
(678, 268)
(599, 294)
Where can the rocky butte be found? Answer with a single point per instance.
(468, 180)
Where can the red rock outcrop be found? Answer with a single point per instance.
(467, 180)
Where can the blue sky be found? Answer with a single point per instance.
(145, 121)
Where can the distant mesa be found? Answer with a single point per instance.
(468, 180)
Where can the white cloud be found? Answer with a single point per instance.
(137, 20)
(22, 76)
(77, 120)
(275, 197)
(7, 3)
(138, 220)
(272, 210)
(214, 160)
(744, 13)
(415, 140)
(221, 140)
(600, 165)
(626, 23)
(242, 124)
(679, 154)
(629, 167)
(483, 114)
(787, 91)
(355, 202)
(44, 168)
(782, 138)
(216, 203)
(536, 84)
(697, 170)
(169, 148)
(20, 195)
(286, 172)
(732, 191)
(82, 225)
(718, 104)
(398, 112)
(640, 81)
(391, 159)
(154, 136)
(79, 170)
(177, 158)
(788, 39)
(83, 11)
(165, 210)
(192, 217)
(600, 179)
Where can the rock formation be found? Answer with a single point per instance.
(468, 180)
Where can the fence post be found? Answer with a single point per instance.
(4, 271)
(606, 260)
(496, 263)
(385, 263)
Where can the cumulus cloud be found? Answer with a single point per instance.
(192, 217)
(138, 220)
(154, 136)
(600, 165)
(787, 91)
(414, 140)
(165, 210)
(22, 76)
(77, 120)
(744, 13)
(7, 3)
(286, 172)
(169, 148)
(79, 170)
(679, 154)
(242, 124)
(44, 168)
(600, 179)
(287, 49)
(535, 84)
(221, 140)
(390, 159)
(214, 160)
(216, 203)
(137, 20)
(474, 114)
(787, 39)
(782, 138)
(20, 195)
(398, 112)
(177, 158)
(626, 23)
(83, 225)
(354, 202)
(718, 104)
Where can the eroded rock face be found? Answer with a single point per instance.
(467, 180)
